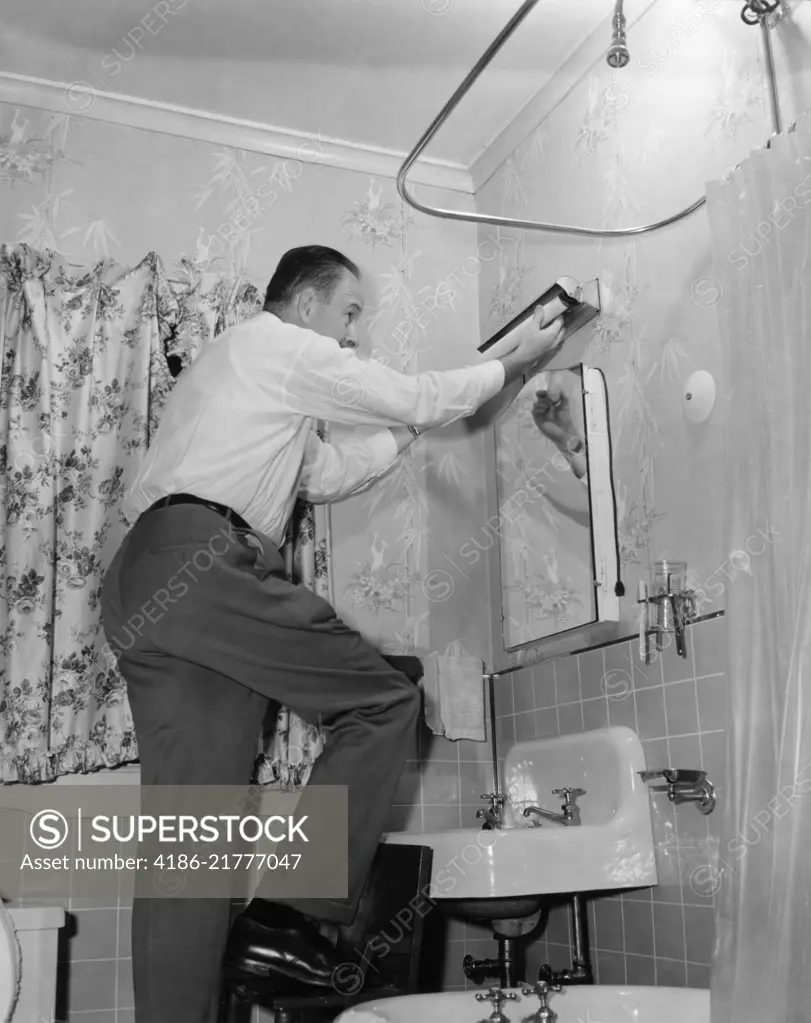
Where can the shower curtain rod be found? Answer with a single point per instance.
(533, 225)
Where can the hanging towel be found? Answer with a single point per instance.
(453, 688)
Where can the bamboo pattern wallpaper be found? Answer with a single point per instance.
(98, 191)
(625, 148)
(413, 561)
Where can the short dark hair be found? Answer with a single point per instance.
(310, 266)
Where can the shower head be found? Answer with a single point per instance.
(618, 55)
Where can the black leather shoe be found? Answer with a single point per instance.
(272, 939)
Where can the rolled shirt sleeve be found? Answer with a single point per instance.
(331, 383)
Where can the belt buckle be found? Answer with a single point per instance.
(219, 509)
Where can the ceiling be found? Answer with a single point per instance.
(374, 72)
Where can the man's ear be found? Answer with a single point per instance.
(305, 304)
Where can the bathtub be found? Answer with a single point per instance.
(589, 1004)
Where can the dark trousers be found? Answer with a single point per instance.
(202, 665)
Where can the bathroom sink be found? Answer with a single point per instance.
(486, 910)
(611, 849)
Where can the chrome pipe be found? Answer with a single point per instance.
(493, 740)
(771, 76)
(618, 55)
(581, 968)
(508, 671)
(507, 964)
(580, 972)
(487, 218)
(452, 104)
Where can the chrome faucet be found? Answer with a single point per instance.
(569, 815)
(497, 997)
(542, 990)
(493, 816)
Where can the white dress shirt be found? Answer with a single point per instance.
(239, 425)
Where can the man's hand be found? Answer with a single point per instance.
(542, 337)
(535, 346)
(552, 416)
(541, 340)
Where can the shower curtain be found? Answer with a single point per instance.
(760, 219)
(87, 364)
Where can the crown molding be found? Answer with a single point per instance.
(552, 94)
(79, 99)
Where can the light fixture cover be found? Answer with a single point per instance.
(698, 397)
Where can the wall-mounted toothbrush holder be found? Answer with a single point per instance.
(667, 609)
(684, 787)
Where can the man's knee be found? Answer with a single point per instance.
(403, 693)
(411, 700)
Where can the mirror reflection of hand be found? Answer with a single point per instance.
(552, 416)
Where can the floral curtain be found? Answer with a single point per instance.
(88, 362)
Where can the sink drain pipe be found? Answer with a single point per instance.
(510, 966)
(506, 955)
(505, 967)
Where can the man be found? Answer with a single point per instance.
(237, 442)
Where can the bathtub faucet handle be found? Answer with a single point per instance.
(544, 1014)
(497, 997)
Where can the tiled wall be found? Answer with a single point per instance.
(94, 981)
(94, 974)
(677, 706)
(653, 936)
(96, 963)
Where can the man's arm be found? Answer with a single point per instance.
(333, 471)
(331, 383)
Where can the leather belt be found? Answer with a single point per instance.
(221, 509)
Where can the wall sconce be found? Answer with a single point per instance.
(668, 608)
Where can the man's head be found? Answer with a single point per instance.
(317, 288)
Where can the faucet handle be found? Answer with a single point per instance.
(497, 997)
(569, 795)
(496, 798)
(542, 989)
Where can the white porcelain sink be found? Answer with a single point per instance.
(612, 848)
(593, 1004)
